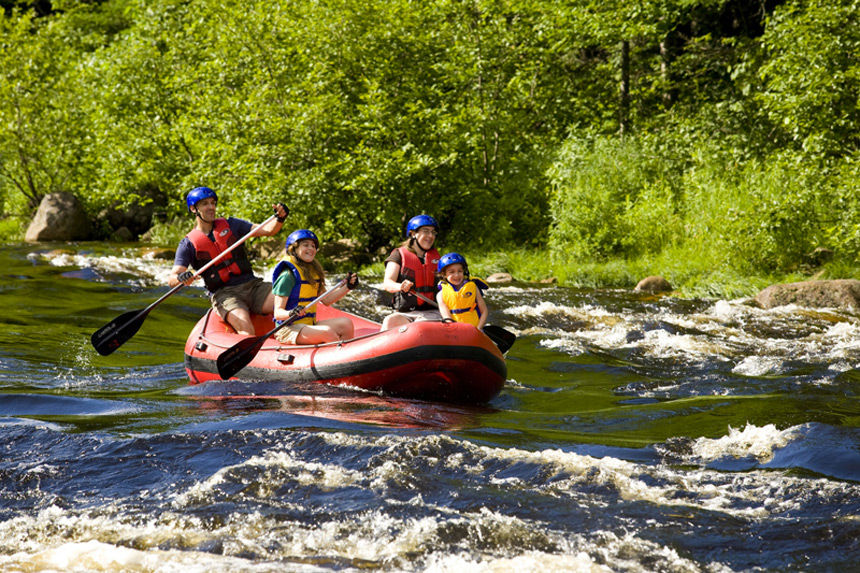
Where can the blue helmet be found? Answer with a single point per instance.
(198, 194)
(421, 221)
(450, 259)
(302, 234)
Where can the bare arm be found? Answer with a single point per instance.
(273, 226)
(281, 312)
(443, 308)
(335, 295)
(390, 282)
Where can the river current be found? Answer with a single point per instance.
(635, 433)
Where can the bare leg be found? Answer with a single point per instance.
(317, 334)
(269, 304)
(240, 320)
(395, 320)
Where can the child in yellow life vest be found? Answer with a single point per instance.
(297, 280)
(459, 296)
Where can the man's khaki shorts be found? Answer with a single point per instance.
(250, 296)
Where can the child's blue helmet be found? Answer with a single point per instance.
(300, 235)
(450, 259)
(421, 221)
(198, 194)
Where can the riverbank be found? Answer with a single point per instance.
(692, 275)
(693, 271)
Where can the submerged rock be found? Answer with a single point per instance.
(840, 293)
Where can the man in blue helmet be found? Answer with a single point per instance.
(411, 268)
(233, 289)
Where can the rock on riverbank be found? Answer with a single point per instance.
(840, 293)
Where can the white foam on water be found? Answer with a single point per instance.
(96, 556)
(528, 562)
(146, 269)
(758, 442)
(756, 342)
(327, 476)
(759, 366)
(480, 539)
(544, 308)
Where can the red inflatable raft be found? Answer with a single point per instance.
(427, 360)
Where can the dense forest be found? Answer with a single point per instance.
(692, 137)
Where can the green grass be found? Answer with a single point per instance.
(11, 230)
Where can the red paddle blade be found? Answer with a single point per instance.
(115, 333)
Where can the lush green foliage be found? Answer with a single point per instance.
(500, 117)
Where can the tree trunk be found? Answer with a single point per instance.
(666, 72)
(624, 90)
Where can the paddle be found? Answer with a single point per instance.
(504, 339)
(240, 354)
(117, 332)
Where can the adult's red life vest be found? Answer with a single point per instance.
(234, 264)
(422, 274)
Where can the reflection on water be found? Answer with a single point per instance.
(338, 404)
(635, 433)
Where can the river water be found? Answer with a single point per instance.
(634, 433)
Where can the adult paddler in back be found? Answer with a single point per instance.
(233, 289)
(412, 267)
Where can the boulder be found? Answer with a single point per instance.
(344, 252)
(137, 216)
(123, 235)
(500, 278)
(60, 217)
(267, 248)
(841, 293)
(653, 284)
(340, 251)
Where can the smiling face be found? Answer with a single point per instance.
(425, 237)
(306, 250)
(454, 273)
(205, 209)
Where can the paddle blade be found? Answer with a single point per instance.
(115, 333)
(504, 339)
(238, 356)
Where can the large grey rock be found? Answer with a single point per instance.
(60, 217)
(841, 293)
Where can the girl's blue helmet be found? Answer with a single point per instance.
(198, 194)
(300, 235)
(421, 221)
(450, 259)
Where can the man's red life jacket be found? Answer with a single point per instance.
(234, 264)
